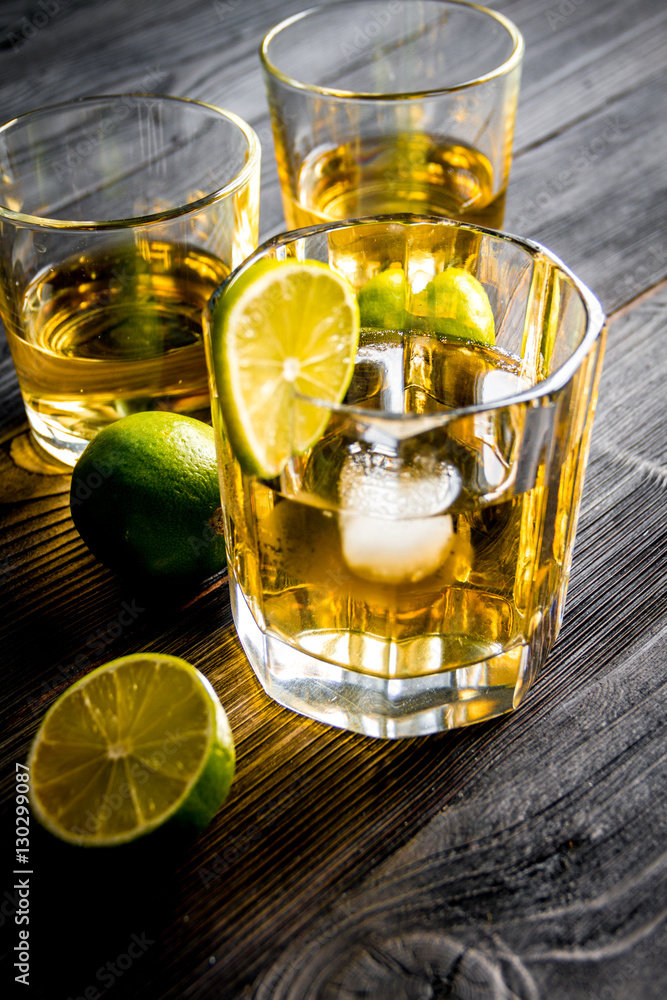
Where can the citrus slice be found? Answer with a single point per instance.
(456, 305)
(382, 300)
(283, 330)
(138, 743)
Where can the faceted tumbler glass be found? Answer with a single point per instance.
(407, 573)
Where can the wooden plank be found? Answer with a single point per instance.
(315, 810)
(595, 195)
(540, 876)
(544, 854)
(575, 63)
(581, 56)
(542, 871)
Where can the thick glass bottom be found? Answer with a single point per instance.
(388, 707)
(52, 438)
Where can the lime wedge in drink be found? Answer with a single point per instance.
(281, 330)
(137, 744)
(455, 304)
(382, 300)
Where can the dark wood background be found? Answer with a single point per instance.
(523, 858)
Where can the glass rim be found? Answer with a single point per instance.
(595, 320)
(130, 222)
(503, 69)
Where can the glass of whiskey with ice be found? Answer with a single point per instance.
(386, 106)
(406, 574)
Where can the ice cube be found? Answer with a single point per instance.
(391, 526)
(395, 552)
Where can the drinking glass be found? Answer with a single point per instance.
(393, 106)
(119, 216)
(407, 573)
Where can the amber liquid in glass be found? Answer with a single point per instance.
(358, 555)
(99, 338)
(409, 173)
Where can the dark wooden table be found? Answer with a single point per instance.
(523, 858)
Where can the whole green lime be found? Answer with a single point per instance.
(145, 498)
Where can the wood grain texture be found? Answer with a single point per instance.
(520, 858)
(595, 194)
(548, 872)
(581, 57)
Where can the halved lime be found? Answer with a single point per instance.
(136, 744)
(382, 300)
(455, 304)
(282, 330)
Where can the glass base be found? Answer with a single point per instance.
(54, 440)
(379, 706)
(52, 437)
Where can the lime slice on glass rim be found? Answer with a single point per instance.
(138, 744)
(283, 330)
